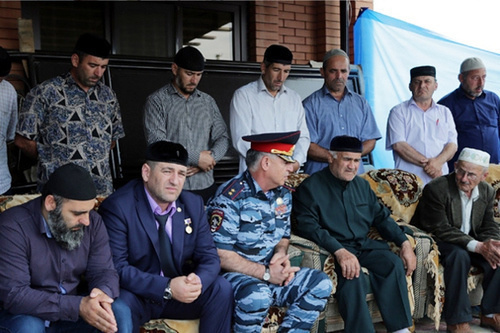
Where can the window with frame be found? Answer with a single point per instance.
(142, 29)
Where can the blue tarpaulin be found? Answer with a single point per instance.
(387, 48)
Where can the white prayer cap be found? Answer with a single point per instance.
(470, 64)
(475, 156)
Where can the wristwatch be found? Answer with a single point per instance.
(168, 292)
(267, 274)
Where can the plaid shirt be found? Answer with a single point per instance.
(195, 123)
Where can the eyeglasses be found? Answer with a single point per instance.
(470, 175)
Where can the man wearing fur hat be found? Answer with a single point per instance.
(458, 210)
(476, 111)
(48, 244)
(267, 105)
(73, 117)
(181, 113)
(421, 133)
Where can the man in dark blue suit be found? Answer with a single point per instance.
(162, 246)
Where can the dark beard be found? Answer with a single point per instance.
(67, 238)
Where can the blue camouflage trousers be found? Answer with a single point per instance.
(305, 296)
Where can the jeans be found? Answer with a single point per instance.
(20, 323)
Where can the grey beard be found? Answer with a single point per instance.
(67, 238)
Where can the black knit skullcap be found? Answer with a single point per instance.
(70, 181)
(168, 152)
(190, 58)
(93, 45)
(423, 71)
(278, 54)
(346, 143)
(5, 63)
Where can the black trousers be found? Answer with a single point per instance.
(457, 262)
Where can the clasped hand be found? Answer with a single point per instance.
(281, 270)
(96, 310)
(186, 289)
(490, 250)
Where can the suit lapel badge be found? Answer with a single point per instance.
(187, 223)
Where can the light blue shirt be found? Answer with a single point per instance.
(248, 221)
(8, 122)
(327, 118)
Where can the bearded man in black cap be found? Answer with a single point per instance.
(179, 112)
(267, 106)
(48, 244)
(421, 133)
(73, 117)
(162, 246)
(335, 209)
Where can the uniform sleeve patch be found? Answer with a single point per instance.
(216, 220)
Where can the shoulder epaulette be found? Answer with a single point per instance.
(234, 188)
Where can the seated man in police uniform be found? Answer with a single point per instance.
(250, 221)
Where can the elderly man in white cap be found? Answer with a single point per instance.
(476, 111)
(458, 210)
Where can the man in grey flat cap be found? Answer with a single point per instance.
(267, 105)
(476, 111)
(420, 132)
(181, 113)
(458, 210)
(74, 117)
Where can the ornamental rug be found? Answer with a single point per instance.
(493, 179)
(396, 189)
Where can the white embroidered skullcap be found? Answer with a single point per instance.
(475, 156)
(470, 64)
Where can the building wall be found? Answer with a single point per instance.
(10, 11)
(307, 28)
